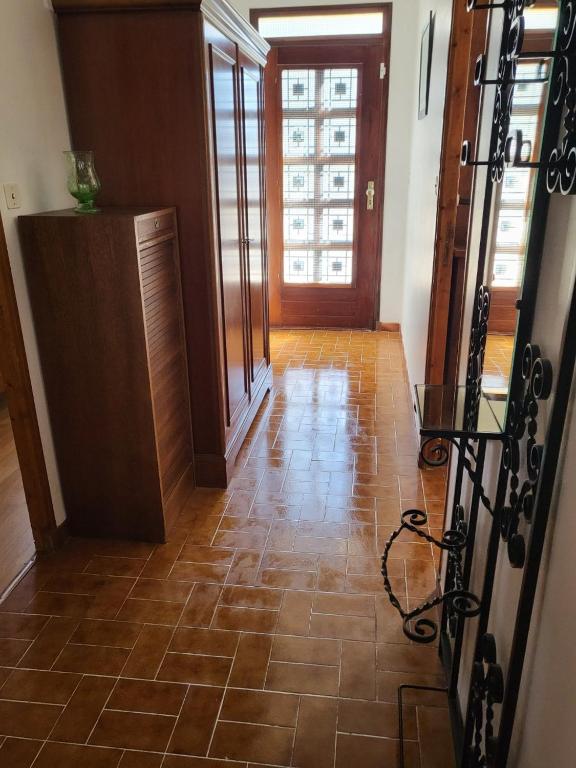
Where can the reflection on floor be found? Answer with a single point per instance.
(260, 634)
(498, 360)
(16, 542)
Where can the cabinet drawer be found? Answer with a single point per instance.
(155, 226)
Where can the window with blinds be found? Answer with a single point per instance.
(513, 205)
(319, 128)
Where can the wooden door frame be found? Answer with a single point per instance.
(272, 126)
(461, 113)
(19, 394)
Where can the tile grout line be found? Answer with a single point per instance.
(176, 720)
(76, 688)
(217, 718)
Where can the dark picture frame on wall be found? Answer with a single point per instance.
(426, 44)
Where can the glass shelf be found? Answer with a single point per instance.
(442, 411)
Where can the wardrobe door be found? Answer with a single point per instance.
(255, 239)
(224, 118)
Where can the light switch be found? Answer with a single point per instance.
(12, 195)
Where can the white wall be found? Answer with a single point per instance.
(424, 166)
(33, 134)
(401, 100)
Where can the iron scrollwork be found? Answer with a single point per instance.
(512, 37)
(523, 420)
(561, 171)
(560, 165)
(461, 602)
(476, 353)
(454, 572)
(487, 690)
(434, 452)
(528, 462)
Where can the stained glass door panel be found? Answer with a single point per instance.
(320, 126)
(326, 140)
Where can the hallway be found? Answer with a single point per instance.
(260, 634)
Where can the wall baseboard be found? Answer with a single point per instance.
(60, 535)
(391, 327)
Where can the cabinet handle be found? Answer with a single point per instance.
(156, 224)
(247, 240)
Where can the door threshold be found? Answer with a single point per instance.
(17, 579)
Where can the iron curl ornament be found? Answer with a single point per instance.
(561, 169)
(476, 352)
(523, 428)
(417, 627)
(486, 691)
(434, 452)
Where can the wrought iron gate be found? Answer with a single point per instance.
(518, 513)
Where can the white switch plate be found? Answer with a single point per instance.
(12, 195)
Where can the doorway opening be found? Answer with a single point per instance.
(326, 90)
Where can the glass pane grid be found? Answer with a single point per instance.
(327, 267)
(340, 89)
(339, 136)
(319, 127)
(298, 137)
(298, 183)
(337, 225)
(298, 225)
(298, 89)
(337, 182)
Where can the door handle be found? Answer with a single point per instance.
(370, 196)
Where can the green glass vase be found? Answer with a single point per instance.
(83, 182)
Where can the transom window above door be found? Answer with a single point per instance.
(319, 133)
(322, 25)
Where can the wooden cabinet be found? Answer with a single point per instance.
(107, 307)
(168, 94)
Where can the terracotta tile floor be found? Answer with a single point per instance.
(260, 633)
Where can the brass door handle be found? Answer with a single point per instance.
(370, 196)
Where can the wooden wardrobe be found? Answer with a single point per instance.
(168, 94)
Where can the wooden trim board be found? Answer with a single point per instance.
(16, 375)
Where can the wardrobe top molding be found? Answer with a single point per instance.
(218, 12)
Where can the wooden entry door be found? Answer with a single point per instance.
(325, 162)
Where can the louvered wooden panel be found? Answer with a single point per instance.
(162, 303)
